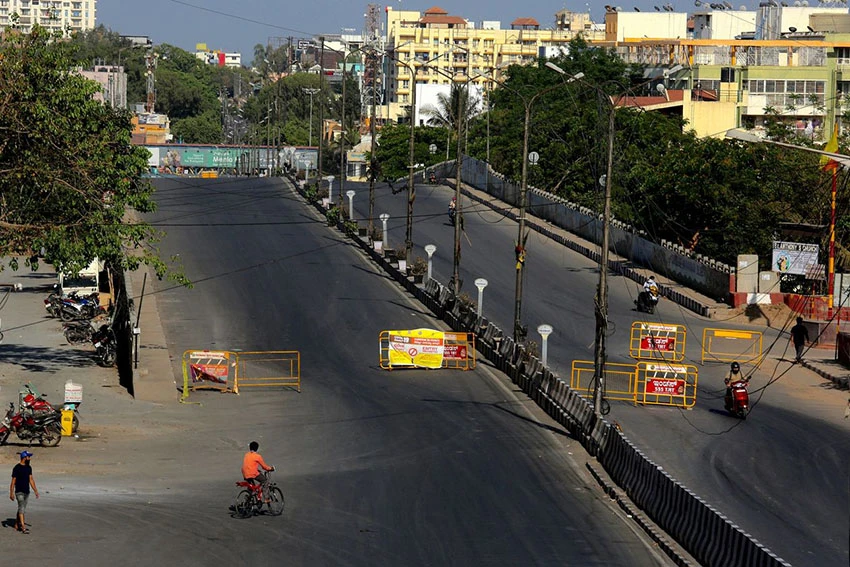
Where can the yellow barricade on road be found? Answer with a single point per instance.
(268, 369)
(657, 341)
(426, 348)
(729, 345)
(645, 383)
(661, 383)
(620, 379)
(227, 371)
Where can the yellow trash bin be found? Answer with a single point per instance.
(67, 422)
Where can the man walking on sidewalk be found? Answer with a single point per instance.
(19, 490)
(800, 336)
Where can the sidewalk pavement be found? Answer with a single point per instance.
(153, 378)
(823, 362)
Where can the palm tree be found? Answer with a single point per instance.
(445, 112)
(456, 103)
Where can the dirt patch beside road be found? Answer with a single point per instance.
(773, 316)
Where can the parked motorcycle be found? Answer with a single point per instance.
(76, 307)
(45, 429)
(738, 398)
(30, 400)
(78, 332)
(106, 345)
(647, 300)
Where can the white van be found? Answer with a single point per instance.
(85, 282)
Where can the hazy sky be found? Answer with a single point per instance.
(234, 25)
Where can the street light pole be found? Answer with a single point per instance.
(519, 250)
(310, 92)
(321, 107)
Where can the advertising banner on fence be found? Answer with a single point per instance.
(651, 342)
(665, 379)
(794, 257)
(209, 368)
(418, 347)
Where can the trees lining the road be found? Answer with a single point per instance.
(722, 198)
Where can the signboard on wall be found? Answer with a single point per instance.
(794, 257)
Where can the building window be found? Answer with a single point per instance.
(843, 55)
(786, 94)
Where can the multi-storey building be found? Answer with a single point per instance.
(113, 84)
(444, 48)
(67, 16)
(740, 69)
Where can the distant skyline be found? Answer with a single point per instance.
(238, 26)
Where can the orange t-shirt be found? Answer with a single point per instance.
(251, 465)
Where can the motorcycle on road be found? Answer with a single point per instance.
(737, 400)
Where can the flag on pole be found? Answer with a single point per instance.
(827, 163)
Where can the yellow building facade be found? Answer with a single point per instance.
(445, 48)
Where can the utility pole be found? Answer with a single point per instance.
(342, 164)
(372, 160)
(321, 106)
(458, 200)
(599, 355)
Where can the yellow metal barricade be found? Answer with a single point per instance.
(657, 341)
(426, 348)
(269, 369)
(661, 383)
(729, 345)
(620, 383)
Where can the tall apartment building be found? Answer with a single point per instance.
(61, 15)
(740, 69)
(445, 48)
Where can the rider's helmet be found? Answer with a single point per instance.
(736, 367)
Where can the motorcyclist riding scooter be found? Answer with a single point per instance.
(648, 298)
(737, 398)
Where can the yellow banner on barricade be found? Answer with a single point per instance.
(418, 347)
(729, 345)
(657, 341)
(426, 348)
(661, 383)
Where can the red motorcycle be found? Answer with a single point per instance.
(31, 401)
(738, 398)
(46, 430)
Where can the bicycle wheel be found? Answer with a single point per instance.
(277, 503)
(244, 504)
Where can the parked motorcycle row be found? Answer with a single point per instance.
(36, 419)
(77, 313)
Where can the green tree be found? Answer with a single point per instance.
(68, 173)
(202, 129)
(393, 152)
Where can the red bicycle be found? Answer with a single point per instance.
(249, 502)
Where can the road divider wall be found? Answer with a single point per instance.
(704, 532)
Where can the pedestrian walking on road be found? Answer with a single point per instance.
(800, 336)
(19, 490)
